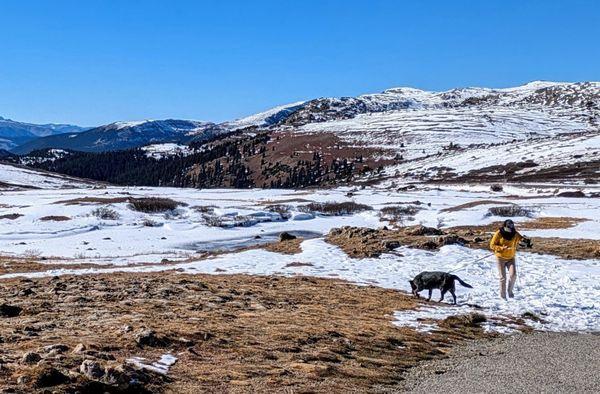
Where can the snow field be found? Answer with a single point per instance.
(564, 293)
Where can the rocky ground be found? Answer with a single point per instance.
(540, 362)
(228, 333)
(366, 242)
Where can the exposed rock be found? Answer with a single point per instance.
(49, 376)
(91, 369)
(57, 348)
(577, 194)
(285, 236)
(422, 230)
(80, 348)
(30, 358)
(451, 239)
(390, 244)
(10, 310)
(148, 338)
(428, 245)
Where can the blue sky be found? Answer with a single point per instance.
(94, 62)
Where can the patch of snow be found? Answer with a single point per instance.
(161, 366)
(563, 292)
(159, 151)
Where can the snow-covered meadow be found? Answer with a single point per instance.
(562, 292)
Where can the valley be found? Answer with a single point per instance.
(184, 256)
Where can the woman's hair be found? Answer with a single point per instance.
(510, 225)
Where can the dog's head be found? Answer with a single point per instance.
(413, 286)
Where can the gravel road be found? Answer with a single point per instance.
(523, 363)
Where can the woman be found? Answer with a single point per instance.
(504, 244)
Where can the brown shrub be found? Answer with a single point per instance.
(11, 216)
(153, 204)
(335, 208)
(510, 211)
(53, 218)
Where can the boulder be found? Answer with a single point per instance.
(285, 236)
(576, 194)
(49, 376)
(30, 358)
(422, 230)
(451, 239)
(91, 369)
(390, 244)
(147, 338)
(10, 310)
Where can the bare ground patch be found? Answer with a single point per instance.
(230, 334)
(94, 200)
(473, 204)
(364, 242)
(55, 218)
(11, 216)
(291, 246)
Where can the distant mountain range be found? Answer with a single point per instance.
(126, 135)
(13, 133)
(542, 130)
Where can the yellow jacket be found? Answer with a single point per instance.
(503, 248)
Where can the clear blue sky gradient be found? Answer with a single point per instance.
(93, 62)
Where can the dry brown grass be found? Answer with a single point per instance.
(360, 243)
(11, 216)
(543, 223)
(55, 218)
(94, 200)
(230, 333)
(472, 204)
(291, 246)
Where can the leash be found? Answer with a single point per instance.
(465, 265)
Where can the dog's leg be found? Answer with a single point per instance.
(443, 292)
(453, 295)
(429, 298)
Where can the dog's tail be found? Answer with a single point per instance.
(465, 284)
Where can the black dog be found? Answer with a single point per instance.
(436, 280)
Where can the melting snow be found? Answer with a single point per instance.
(565, 293)
(161, 366)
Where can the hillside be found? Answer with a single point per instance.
(538, 131)
(14, 176)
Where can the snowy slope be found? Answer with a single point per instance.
(15, 177)
(266, 118)
(432, 120)
(420, 125)
(543, 153)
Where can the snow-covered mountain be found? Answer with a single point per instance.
(412, 132)
(125, 135)
(574, 98)
(13, 133)
(474, 126)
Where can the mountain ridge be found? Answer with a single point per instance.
(400, 132)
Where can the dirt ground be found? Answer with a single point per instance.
(364, 242)
(540, 362)
(229, 333)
